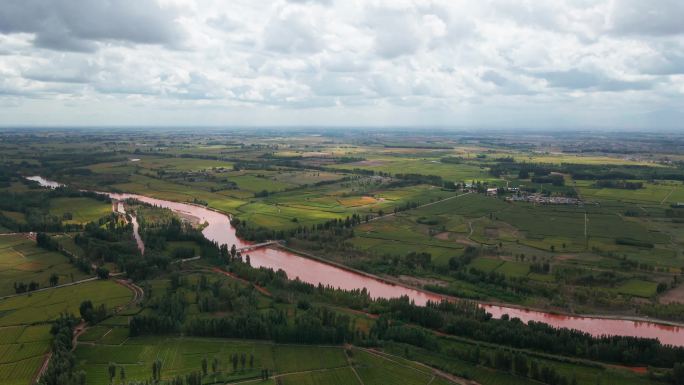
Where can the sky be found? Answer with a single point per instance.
(465, 64)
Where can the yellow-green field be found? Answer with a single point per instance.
(47, 305)
(82, 210)
(22, 261)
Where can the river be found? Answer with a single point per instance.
(121, 209)
(219, 229)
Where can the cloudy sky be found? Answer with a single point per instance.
(486, 63)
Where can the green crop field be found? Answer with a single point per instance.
(22, 261)
(514, 269)
(81, 210)
(395, 165)
(46, 305)
(486, 264)
(585, 374)
(184, 355)
(14, 215)
(638, 288)
(291, 364)
(340, 376)
(302, 358)
(376, 370)
(21, 352)
(24, 329)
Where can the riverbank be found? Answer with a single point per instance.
(315, 270)
(606, 316)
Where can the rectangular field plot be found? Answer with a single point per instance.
(22, 261)
(375, 370)
(638, 288)
(114, 336)
(301, 358)
(80, 210)
(47, 305)
(180, 356)
(486, 264)
(20, 373)
(514, 269)
(341, 376)
(93, 333)
(22, 350)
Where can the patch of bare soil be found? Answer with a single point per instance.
(194, 221)
(462, 239)
(444, 236)
(675, 295)
(491, 232)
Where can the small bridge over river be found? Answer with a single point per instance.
(255, 246)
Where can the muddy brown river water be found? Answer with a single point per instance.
(314, 271)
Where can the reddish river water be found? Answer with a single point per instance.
(312, 271)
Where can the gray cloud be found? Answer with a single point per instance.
(291, 33)
(380, 62)
(639, 17)
(73, 25)
(396, 32)
(494, 77)
(224, 22)
(62, 70)
(504, 83)
(334, 84)
(577, 79)
(322, 2)
(669, 62)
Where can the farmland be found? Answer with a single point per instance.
(46, 305)
(279, 185)
(25, 324)
(291, 364)
(527, 224)
(22, 261)
(79, 210)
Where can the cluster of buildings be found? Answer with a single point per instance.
(544, 200)
(495, 191)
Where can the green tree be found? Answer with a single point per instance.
(102, 272)
(111, 369)
(86, 310)
(678, 373)
(156, 370)
(520, 365)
